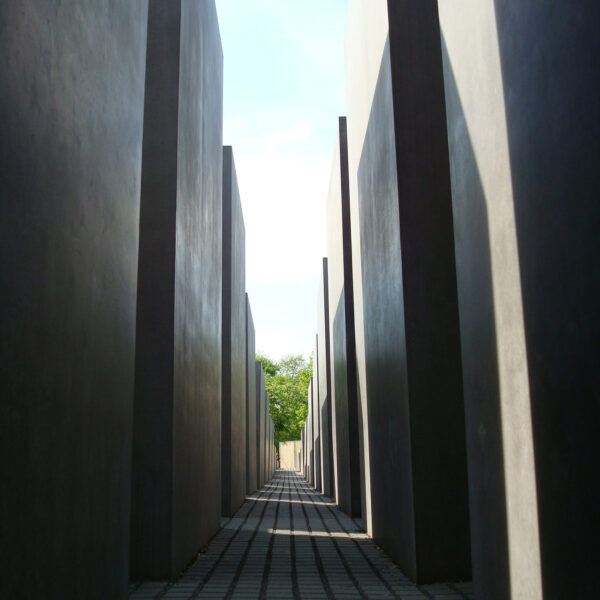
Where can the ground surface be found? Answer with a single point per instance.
(288, 541)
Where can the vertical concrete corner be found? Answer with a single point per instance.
(177, 407)
(344, 392)
(71, 117)
(324, 383)
(524, 122)
(316, 420)
(233, 402)
(260, 423)
(409, 342)
(251, 433)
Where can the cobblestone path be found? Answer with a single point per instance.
(288, 541)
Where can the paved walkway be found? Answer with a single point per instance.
(288, 541)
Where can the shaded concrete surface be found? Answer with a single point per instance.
(176, 475)
(233, 397)
(524, 121)
(324, 372)
(260, 423)
(71, 121)
(288, 541)
(411, 340)
(316, 419)
(346, 436)
(251, 434)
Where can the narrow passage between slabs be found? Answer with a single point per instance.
(289, 541)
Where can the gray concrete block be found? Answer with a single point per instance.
(251, 481)
(524, 122)
(411, 343)
(316, 419)
(71, 117)
(233, 401)
(303, 451)
(344, 397)
(177, 416)
(324, 384)
(260, 424)
(310, 458)
(265, 438)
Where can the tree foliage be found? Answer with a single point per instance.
(287, 384)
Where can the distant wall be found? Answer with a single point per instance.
(289, 455)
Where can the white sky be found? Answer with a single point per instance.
(283, 91)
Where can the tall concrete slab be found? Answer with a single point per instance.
(316, 414)
(233, 402)
(71, 117)
(410, 345)
(260, 423)
(303, 451)
(310, 459)
(271, 447)
(344, 397)
(324, 372)
(251, 480)
(364, 44)
(265, 425)
(177, 414)
(523, 116)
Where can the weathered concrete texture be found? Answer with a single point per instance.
(344, 400)
(411, 344)
(316, 419)
(524, 122)
(324, 377)
(251, 482)
(233, 402)
(260, 424)
(177, 418)
(71, 117)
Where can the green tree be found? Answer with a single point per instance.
(287, 384)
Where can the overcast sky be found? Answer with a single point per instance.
(283, 91)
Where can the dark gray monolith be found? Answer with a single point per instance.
(260, 423)
(71, 123)
(523, 116)
(344, 397)
(410, 348)
(251, 482)
(324, 372)
(176, 487)
(316, 419)
(233, 402)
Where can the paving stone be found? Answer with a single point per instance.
(289, 542)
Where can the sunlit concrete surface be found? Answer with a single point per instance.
(288, 541)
